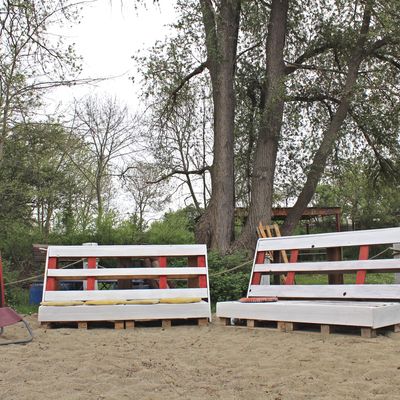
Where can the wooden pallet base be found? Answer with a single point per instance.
(285, 326)
(164, 323)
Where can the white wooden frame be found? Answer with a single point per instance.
(130, 311)
(309, 303)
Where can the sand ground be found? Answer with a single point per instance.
(190, 362)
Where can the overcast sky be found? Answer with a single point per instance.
(109, 33)
(107, 37)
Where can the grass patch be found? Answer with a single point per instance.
(320, 279)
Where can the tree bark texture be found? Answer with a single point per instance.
(221, 27)
(271, 122)
(332, 133)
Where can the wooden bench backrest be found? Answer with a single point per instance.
(195, 272)
(362, 239)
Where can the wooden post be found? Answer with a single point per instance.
(119, 325)
(260, 259)
(289, 326)
(166, 323)
(368, 333)
(129, 324)
(294, 254)
(201, 263)
(250, 323)
(361, 274)
(162, 263)
(51, 282)
(91, 282)
(325, 329)
(193, 282)
(335, 254)
(281, 326)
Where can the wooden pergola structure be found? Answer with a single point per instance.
(280, 213)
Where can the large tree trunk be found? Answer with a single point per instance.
(332, 133)
(216, 225)
(268, 138)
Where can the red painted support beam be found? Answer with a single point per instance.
(260, 259)
(51, 282)
(201, 262)
(361, 274)
(91, 282)
(294, 255)
(162, 262)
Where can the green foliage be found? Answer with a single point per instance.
(231, 285)
(366, 202)
(176, 227)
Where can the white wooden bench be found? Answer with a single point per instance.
(156, 263)
(368, 306)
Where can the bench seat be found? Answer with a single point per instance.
(336, 303)
(351, 313)
(161, 264)
(123, 312)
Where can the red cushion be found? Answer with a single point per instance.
(8, 317)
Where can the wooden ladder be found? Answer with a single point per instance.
(270, 231)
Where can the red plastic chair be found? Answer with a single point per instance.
(8, 316)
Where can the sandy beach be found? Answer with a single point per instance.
(190, 362)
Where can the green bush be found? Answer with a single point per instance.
(231, 285)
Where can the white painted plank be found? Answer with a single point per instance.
(328, 291)
(120, 273)
(335, 239)
(319, 312)
(124, 312)
(330, 266)
(128, 251)
(384, 316)
(135, 294)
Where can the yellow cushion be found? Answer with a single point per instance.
(142, 301)
(61, 303)
(181, 300)
(119, 302)
(103, 302)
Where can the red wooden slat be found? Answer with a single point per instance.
(361, 274)
(294, 255)
(201, 262)
(163, 284)
(91, 282)
(51, 282)
(260, 259)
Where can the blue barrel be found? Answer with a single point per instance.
(35, 293)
